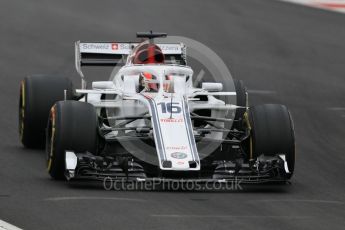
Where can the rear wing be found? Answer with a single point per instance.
(115, 53)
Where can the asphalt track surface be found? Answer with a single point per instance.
(285, 53)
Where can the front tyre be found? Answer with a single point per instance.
(72, 125)
(272, 133)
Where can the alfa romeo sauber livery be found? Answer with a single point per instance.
(150, 121)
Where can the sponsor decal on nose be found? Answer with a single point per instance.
(170, 120)
(179, 155)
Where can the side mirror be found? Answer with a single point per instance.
(103, 85)
(212, 87)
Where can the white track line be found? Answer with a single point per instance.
(64, 198)
(336, 108)
(334, 202)
(229, 216)
(7, 226)
(255, 91)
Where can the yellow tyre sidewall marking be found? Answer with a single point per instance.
(51, 151)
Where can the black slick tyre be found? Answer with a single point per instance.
(72, 125)
(37, 95)
(272, 132)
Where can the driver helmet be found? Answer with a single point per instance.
(145, 82)
(148, 54)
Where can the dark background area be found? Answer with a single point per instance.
(285, 53)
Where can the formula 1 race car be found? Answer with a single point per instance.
(149, 121)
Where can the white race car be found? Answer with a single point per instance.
(149, 122)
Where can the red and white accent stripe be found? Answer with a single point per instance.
(334, 5)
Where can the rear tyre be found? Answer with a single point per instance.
(272, 132)
(37, 95)
(72, 125)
